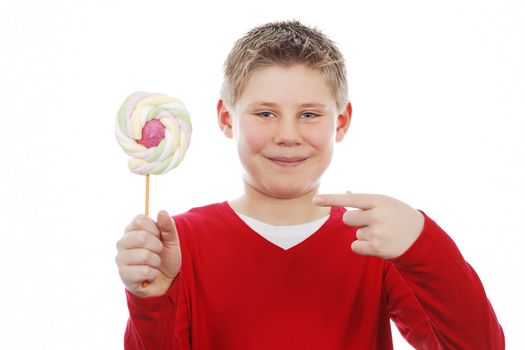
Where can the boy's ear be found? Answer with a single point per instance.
(343, 122)
(224, 119)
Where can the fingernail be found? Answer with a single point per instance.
(318, 200)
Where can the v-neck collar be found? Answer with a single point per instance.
(335, 212)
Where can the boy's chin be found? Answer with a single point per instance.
(285, 190)
(288, 192)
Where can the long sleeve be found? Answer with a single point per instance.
(449, 297)
(236, 290)
(160, 322)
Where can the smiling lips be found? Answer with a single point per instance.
(287, 162)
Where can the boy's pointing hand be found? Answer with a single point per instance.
(387, 226)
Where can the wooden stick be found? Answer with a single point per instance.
(145, 283)
(147, 194)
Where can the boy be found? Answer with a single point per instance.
(282, 267)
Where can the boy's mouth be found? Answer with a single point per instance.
(287, 161)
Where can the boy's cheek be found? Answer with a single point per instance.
(253, 138)
(321, 139)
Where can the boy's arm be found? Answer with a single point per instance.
(151, 251)
(432, 269)
(160, 322)
(446, 289)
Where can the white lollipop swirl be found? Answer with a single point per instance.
(155, 130)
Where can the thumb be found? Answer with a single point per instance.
(168, 231)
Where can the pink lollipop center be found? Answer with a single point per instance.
(152, 133)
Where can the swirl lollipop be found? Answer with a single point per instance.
(155, 131)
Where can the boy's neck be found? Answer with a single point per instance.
(278, 211)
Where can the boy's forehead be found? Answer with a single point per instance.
(274, 104)
(294, 86)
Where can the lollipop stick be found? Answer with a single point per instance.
(147, 194)
(145, 283)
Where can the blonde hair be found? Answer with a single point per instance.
(284, 43)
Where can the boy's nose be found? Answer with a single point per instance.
(287, 133)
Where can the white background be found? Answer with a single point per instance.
(438, 94)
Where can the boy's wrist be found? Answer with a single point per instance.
(149, 303)
(421, 248)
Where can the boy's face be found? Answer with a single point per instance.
(285, 123)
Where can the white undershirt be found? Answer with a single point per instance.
(284, 236)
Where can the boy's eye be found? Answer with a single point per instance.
(306, 115)
(309, 115)
(264, 114)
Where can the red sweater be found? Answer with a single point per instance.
(236, 290)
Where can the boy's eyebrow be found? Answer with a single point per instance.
(271, 104)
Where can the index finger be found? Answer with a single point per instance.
(143, 222)
(353, 200)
